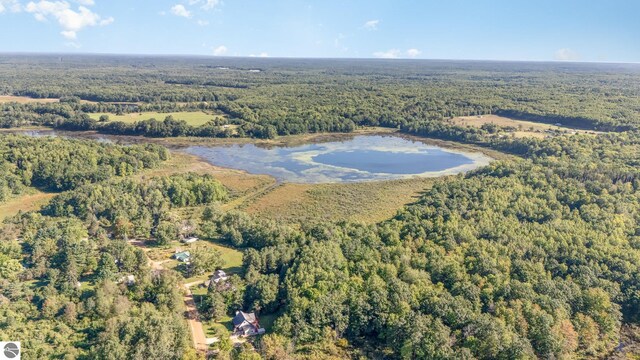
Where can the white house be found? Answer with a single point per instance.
(128, 279)
(217, 277)
(190, 240)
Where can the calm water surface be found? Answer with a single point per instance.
(362, 158)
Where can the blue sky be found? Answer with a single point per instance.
(575, 30)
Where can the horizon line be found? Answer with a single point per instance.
(27, 53)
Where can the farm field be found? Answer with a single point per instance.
(193, 118)
(523, 128)
(25, 99)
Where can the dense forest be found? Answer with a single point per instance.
(305, 96)
(535, 256)
(56, 164)
(62, 270)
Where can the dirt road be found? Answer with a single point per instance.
(193, 316)
(195, 325)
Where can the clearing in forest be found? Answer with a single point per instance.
(25, 99)
(193, 118)
(24, 203)
(522, 128)
(367, 202)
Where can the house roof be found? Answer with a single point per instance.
(219, 274)
(242, 317)
(182, 255)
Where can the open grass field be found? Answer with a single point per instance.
(194, 118)
(367, 202)
(27, 202)
(25, 99)
(524, 128)
(232, 258)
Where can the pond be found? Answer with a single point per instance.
(361, 158)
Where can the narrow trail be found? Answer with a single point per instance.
(245, 200)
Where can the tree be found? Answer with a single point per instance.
(9, 268)
(204, 259)
(263, 294)
(213, 305)
(143, 333)
(165, 233)
(107, 268)
(275, 347)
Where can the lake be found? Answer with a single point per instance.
(361, 158)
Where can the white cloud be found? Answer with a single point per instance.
(71, 35)
(70, 20)
(389, 54)
(86, 2)
(107, 21)
(396, 54)
(205, 4)
(11, 5)
(262, 55)
(566, 55)
(371, 24)
(220, 50)
(187, 9)
(413, 53)
(210, 4)
(180, 10)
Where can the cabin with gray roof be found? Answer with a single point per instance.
(246, 324)
(218, 276)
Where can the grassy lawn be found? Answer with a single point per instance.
(232, 265)
(266, 321)
(194, 118)
(36, 283)
(232, 258)
(224, 327)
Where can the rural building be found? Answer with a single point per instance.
(190, 240)
(182, 256)
(217, 277)
(246, 324)
(128, 279)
